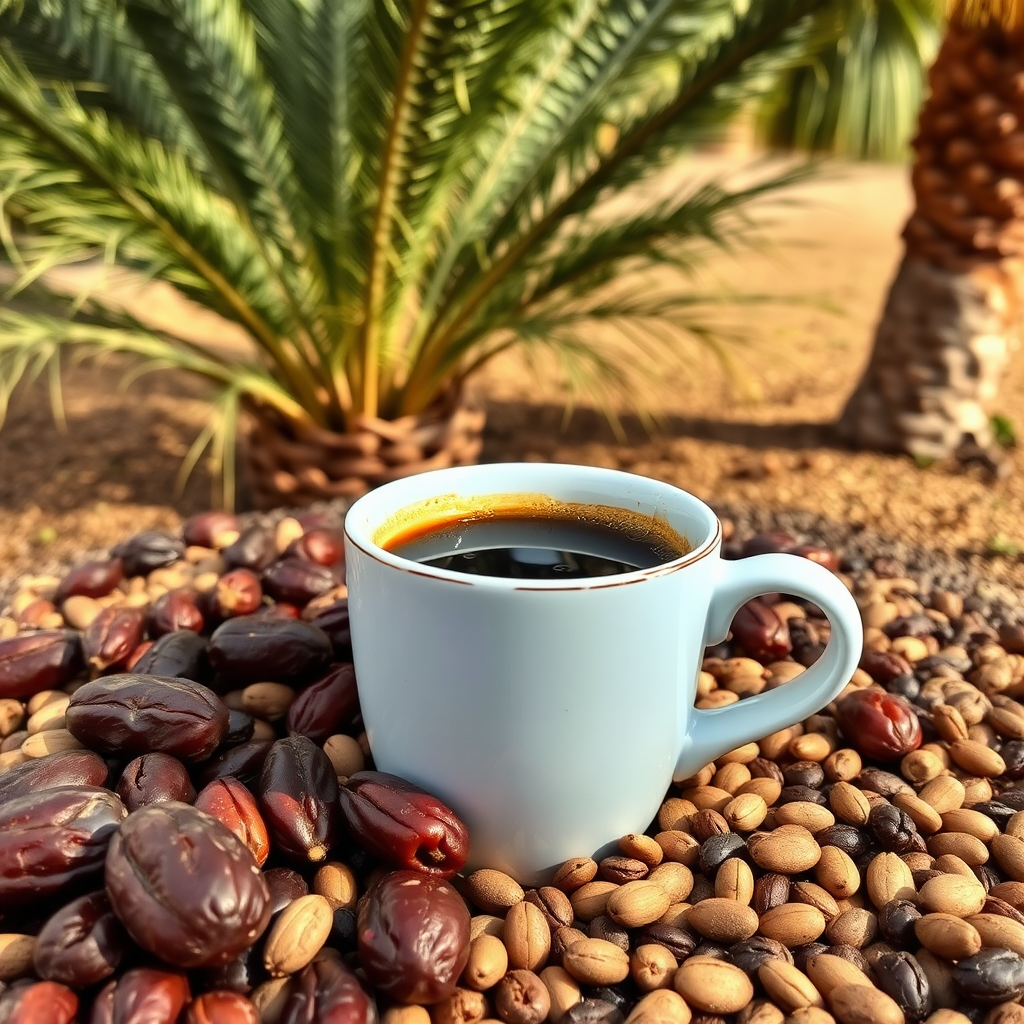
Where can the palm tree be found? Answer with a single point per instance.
(951, 318)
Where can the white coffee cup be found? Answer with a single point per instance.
(552, 715)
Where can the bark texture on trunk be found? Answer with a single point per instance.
(951, 320)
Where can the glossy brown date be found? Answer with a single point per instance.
(327, 992)
(255, 549)
(136, 714)
(90, 579)
(82, 944)
(235, 807)
(154, 779)
(142, 996)
(322, 546)
(334, 621)
(210, 530)
(111, 637)
(403, 825)
(180, 655)
(881, 725)
(249, 648)
(185, 886)
(147, 551)
(37, 661)
(44, 1002)
(175, 611)
(299, 799)
(69, 768)
(297, 581)
(220, 1007)
(53, 839)
(760, 632)
(413, 933)
(243, 762)
(238, 592)
(325, 707)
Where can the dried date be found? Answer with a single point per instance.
(154, 779)
(70, 768)
(142, 996)
(325, 707)
(112, 636)
(82, 944)
(210, 530)
(43, 1002)
(297, 581)
(147, 551)
(881, 725)
(334, 621)
(175, 611)
(185, 886)
(136, 714)
(179, 655)
(36, 661)
(760, 632)
(235, 807)
(238, 592)
(54, 839)
(221, 1008)
(255, 549)
(327, 992)
(90, 579)
(243, 762)
(250, 648)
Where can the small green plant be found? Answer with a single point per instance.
(1004, 431)
(1001, 544)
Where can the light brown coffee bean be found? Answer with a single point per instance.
(745, 812)
(527, 937)
(637, 903)
(574, 873)
(679, 847)
(53, 741)
(921, 766)
(976, 758)
(971, 850)
(708, 798)
(336, 882)
(590, 900)
(1008, 851)
(487, 963)
(735, 881)
(50, 716)
(836, 873)
(849, 804)
(712, 985)
(788, 986)
(952, 894)
(939, 973)
(792, 924)
(563, 991)
(652, 966)
(674, 879)
(16, 955)
(486, 924)
(345, 754)
(973, 823)
(815, 896)
(855, 927)
(1000, 932)
(828, 972)
(493, 891)
(812, 817)
(463, 1006)
(663, 1006)
(522, 998)
(267, 701)
(947, 936)
(723, 920)
(553, 904)
(858, 1004)
(950, 864)
(760, 1011)
(675, 813)
(769, 790)
(888, 878)
(641, 847)
(596, 962)
(810, 1015)
(788, 849)
(297, 935)
(270, 997)
(944, 794)
(923, 815)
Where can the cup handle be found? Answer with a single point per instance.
(715, 731)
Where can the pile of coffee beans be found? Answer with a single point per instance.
(192, 830)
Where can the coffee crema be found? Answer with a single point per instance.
(529, 536)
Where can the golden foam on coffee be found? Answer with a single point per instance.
(446, 510)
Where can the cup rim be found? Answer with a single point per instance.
(448, 479)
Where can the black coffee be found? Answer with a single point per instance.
(543, 547)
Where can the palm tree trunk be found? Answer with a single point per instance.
(951, 320)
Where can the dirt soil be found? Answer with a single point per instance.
(112, 470)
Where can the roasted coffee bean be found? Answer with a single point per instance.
(851, 954)
(770, 890)
(801, 794)
(750, 954)
(902, 978)
(53, 840)
(677, 941)
(325, 707)
(767, 543)
(343, 929)
(715, 850)
(894, 829)
(90, 579)
(1012, 752)
(991, 976)
(135, 714)
(760, 632)
(69, 768)
(153, 779)
(593, 1011)
(712, 950)
(896, 921)
(210, 530)
(910, 625)
(987, 875)
(334, 621)
(553, 904)
(243, 762)
(180, 655)
(175, 611)
(147, 551)
(621, 870)
(879, 724)
(38, 660)
(240, 728)
(1013, 798)
(906, 686)
(185, 886)
(142, 996)
(220, 1007)
(801, 954)
(852, 841)
(255, 549)
(618, 995)
(413, 937)
(887, 784)
(112, 636)
(43, 1002)
(603, 927)
(82, 944)
(249, 648)
(998, 811)
(804, 773)
(762, 768)
(298, 794)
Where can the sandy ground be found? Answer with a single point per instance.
(112, 470)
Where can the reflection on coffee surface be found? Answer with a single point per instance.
(555, 541)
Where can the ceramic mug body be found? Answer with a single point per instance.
(552, 715)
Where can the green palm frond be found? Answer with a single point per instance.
(383, 194)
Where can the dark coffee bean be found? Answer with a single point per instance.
(1012, 752)
(801, 794)
(255, 549)
(750, 954)
(603, 927)
(910, 625)
(240, 728)
(718, 849)
(905, 686)
(1013, 798)
(804, 953)
(712, 950)
(894, 829)
(343, 930)
(804, 773)
(770, 890)
(896, 922)
(762, 768)
(988, 875)
(614, 994)
(998, 811)
(851, 954)
(884, 783)
(180, 655)
(621, 870)
(82, 944)
(593, 1011)
(991, 976)
(677, 941)
(285, 885)
(147, 551)
(901, 977)
(767, 543)
(922, 876)
(242, 974)
(852, 841)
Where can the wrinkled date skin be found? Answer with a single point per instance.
(52, 839)
(33, 662)
(136, 714)
(297, 581)
(180, 655)
(255, 549)
(325, 707)
(210, 529)
(154, 779)
(235, 807)
(238, 592)
(70, 768)
(413, 932)
(175, 611)
(82, 944)
(42, 1003)
(760, 632)
(90, 579)
(221, 1008)
(249, 648)
(243, 762)
(142, 996)
(334, 621)
(111, 637)
(881, 725)
(299, 799)
(147, 551)
(185, 886)
(327, 992)
(403, 825)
